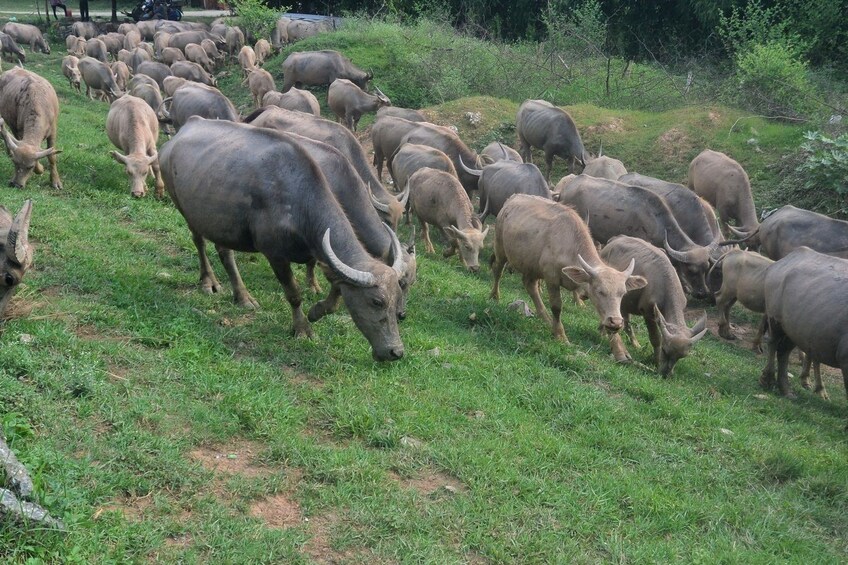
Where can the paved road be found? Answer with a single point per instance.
(187, 15)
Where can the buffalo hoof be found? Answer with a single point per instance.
(823, 394)
(790, 395)
(58, 185)
(247, 302)
(139, 194)
(303, 331)
(210, 286)
(767, 381)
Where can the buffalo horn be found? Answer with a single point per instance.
(699, 329)
(47, 152)
(586, 266)
(404, 196)
(17, 242)
(11, 142)
(679, 256)
(742, 234)
(348, 273)
(468, 170)
(503, 150)
(662, 323)
(398, 263)
(380, 206)
(485, 211)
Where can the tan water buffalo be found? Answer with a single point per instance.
(260, 82)
(544, 240)
(497, 151)
(321, 68)
(605, 167)
(27, 34)
(15, 252)
(70, 68)
(437, 198)
(743, 279)
(502, 179)
(30, 108)
(543, 125)
(661, 303)
(349, 102)
(295, 99)
(723, 183)
(132, 127)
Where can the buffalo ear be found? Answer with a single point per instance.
(635, 282)
(577, 274)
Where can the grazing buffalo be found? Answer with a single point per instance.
(122, 74)
(295, 99)
(30, 107)
(259, 209)
(541, 124)
(661, 303)
(694, 214)
(605, 168)
(96, 48)
(70, 68)
(247, 60)
(260, 83)
(8, 45)
(613, 208)
(194, 99)
(545, 241)
(448, 142)
(15, 252)
(193, 72)
(320, 68)
(436, 197)
(133, 128)
(389, 206)
(27, 34)
(197, 54)
(262, 49)
(789, 228)
(348, 102)
(171, 55)
(157, 71)
(806, 296)
(743, 276)
(234, 37)
(502, 179)
(98, 76)
(723, 183)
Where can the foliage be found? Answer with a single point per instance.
(772, 79)
(826, 164)
(255, 18)
(744, 28)
(581, 30)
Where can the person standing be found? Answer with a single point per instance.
(57, 4)
(84, 10)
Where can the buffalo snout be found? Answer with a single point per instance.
(390, 354)
(474, 269)
(614, 324)
(15, 184)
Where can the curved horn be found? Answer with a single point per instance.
(739, 233)
(666, 335)
(679, 256)
(404, 196)
(17, 242)
(698, 330)
(398, 264)
(47, 152)
(485, 211)
(601, 150)
(503, 150)
(152, 158)
(586, 266)
(468, 170)
(164, 108)
(348, 273)
(118, 157)
(11, 142)
(380, 206)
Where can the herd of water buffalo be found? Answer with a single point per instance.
(299, 188)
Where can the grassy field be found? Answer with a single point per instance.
(165, 425)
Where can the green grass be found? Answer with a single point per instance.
(557, 454)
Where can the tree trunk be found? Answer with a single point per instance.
(114, 11)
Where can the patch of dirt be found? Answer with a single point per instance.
(116, 372)
(430, 482)
(614, 125)
(674, 143)
(236, 458)
(21, 308)
(132, 508)
(278, 511)
(179, 541)
(714, 116)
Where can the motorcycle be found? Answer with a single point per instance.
(157, 10)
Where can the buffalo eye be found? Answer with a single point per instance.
(378, 302)
(9, 280)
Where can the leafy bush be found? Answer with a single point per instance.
(255, 18)
(826, 166)
(773, 80)
(743, 28)
(580, 31)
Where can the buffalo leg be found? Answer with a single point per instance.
(758, 339)
(311, 278)
(780, 346)
(157, 178)
(208, 282)
(805, 377)
(723, 304)
(549, 161)
(498, 264)
(451, 248)
(425, 233)
(524, 150)
(327, 306)
(55, 181)
(655, 337)
(532, 287)
(555, 298)
(283, 270)
(240, 294)
(628, 327)
(619, 351)
(783, 351)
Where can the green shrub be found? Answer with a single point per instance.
(826, 164)
(255, 18)
(772, 79)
